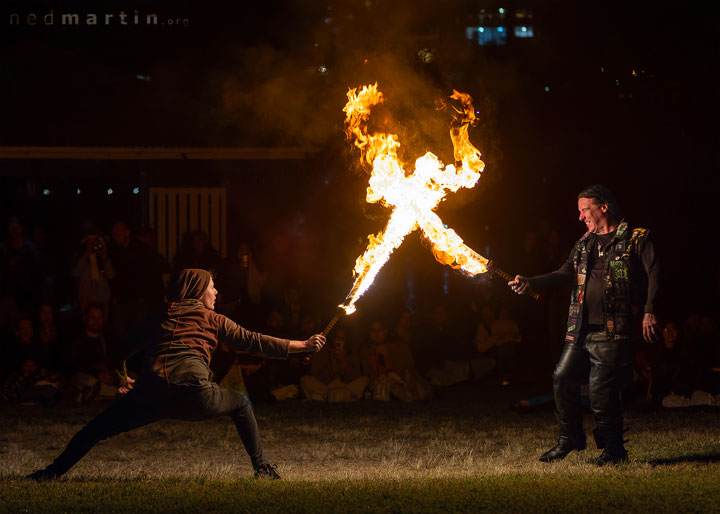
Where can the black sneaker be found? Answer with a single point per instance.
(268, 472)
(43, 475)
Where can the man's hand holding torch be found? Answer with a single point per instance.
(519, 284)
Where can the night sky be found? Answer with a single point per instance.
(622, 93)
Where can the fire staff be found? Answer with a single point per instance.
(176, 382)
(612, 268)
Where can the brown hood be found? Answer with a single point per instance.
(190, 284)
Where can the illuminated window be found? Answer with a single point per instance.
(523, 31)
(487, 35)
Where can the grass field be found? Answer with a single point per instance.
(466, 452)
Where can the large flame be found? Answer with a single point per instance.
(414, 196)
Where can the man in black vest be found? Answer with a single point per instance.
(613, 269)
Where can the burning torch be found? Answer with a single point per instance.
(412, 196)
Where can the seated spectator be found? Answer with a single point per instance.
(390, 368)
(24, 346)
(91, 375)
(286, 374)
(404, 328)
(671, 366)
(441, 349)
(49, 337)
(678, 372)
(709, 347)
(30, 379)
(335, 374)
(47, 331)
(505, 338)
(260, 376)
(493, 349)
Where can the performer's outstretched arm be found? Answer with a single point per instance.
(256, 343)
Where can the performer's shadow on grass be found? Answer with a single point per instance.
(693, 457)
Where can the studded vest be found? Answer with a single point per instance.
(619, 295)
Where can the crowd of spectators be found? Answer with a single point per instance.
(56, 347)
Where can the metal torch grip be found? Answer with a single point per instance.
(505, 275)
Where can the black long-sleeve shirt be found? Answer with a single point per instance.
(594, 287)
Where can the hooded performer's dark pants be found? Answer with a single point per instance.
(606, 366)
(145, 405)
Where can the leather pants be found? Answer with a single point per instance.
(607, 368)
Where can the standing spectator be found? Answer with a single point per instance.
(130, 287)
(242, 283)
(51, 278)
(93, 272)
(158, 268)
(19, 273)
(196, 252)
(293, 310)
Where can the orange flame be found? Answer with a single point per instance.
(414, 196)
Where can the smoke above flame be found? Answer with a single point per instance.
(413, 195)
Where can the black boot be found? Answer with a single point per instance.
(559, 451)
(572, 437)
(609, 438)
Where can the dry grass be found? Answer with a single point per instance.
(468, 453)
(368, 440)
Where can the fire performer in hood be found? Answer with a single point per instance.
(612, 268)
(176, 382)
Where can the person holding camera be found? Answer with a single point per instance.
(93, 272)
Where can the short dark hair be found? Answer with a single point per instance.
(92, 305)
(601, 194)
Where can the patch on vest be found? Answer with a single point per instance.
(620, 270)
